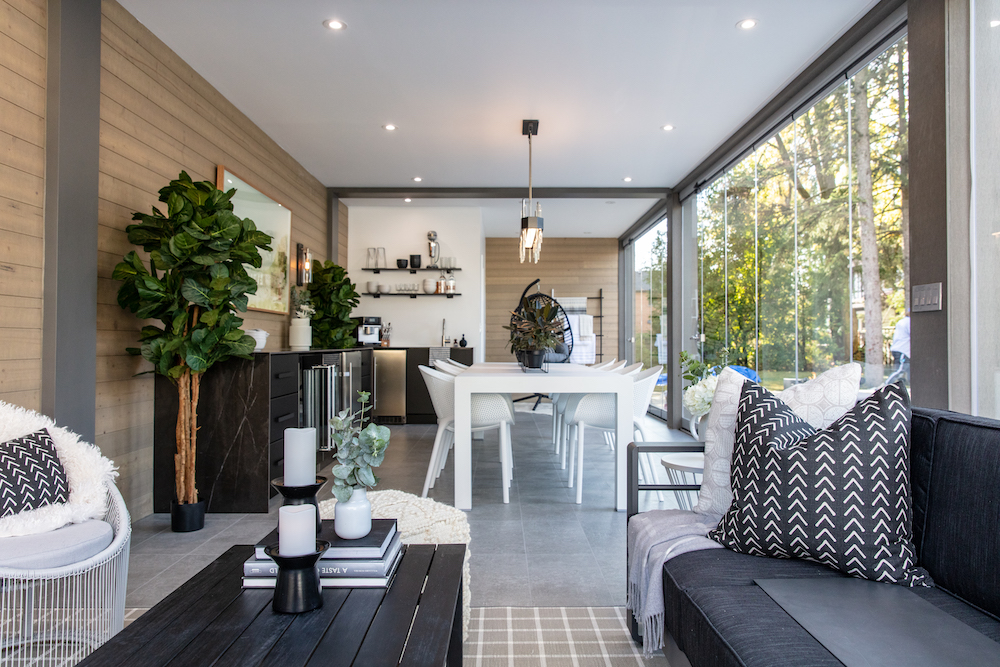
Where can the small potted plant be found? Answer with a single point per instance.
(534, 330)
(700, 392)
(359, 448)
(300, 331)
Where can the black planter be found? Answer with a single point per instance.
(534, 358)
(187, 517)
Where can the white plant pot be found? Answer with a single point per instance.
(353, 520)
(300, 334)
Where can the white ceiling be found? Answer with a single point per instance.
(458, 76)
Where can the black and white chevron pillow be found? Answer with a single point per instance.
(31, 474)
(840, 496)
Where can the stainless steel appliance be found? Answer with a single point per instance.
(329, 387)
(390, 387)
(369, 331)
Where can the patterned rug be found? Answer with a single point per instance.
(552, 637)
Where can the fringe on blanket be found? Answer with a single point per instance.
(652, 626)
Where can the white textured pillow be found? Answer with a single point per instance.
(87, 472)
(820, 401)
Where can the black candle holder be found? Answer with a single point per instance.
(297, 588)
(301, 495)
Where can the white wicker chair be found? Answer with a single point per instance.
(57, 616)
(489, 411)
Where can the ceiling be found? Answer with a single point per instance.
(457, 77)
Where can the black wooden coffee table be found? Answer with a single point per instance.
(212, 620)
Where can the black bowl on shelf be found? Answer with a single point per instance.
(401, 263)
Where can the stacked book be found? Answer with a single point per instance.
(367, 562)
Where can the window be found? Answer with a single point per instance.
(802, 257)
(651, 303)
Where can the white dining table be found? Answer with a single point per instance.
(509, 378)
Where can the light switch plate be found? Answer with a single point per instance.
(924, 298)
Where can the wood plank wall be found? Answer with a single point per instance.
(158, 117)
(342, 229)
(23, 49)
(571, 267)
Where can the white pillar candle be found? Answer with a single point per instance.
(300, 456)
(296, 530)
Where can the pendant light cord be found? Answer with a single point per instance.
(529, 173)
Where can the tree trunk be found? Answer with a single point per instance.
(904, 171)
(872, 284)
(186, 434)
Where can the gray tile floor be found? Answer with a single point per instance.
(541, 549)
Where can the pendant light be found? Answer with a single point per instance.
(530, 244)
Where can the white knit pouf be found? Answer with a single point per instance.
(422, 521)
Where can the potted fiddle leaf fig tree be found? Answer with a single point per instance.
(333, 297)
(195, 284)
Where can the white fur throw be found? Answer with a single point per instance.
(422, 521)
(87, 472)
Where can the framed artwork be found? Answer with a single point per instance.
(275, 219)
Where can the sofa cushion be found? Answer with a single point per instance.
(840, 497)
(31, 474)
(820, 402)
(70, 544)
(718, 616)
(960, 543)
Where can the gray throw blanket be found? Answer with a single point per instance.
(655, 537)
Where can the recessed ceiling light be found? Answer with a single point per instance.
(417, 179)
(407, 200)
(389, 127)
(668, 128)
(334, 24)
(746, 24)
(627, 179)
(994, 24)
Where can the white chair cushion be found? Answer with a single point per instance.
(87, 471)
(64, 546)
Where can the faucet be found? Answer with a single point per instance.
(442, 332)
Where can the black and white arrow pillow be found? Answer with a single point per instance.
(840, 496)
(31, 474)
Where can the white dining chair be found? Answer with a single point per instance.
(454, 368)
(559, 434)
(684, 468)
(489, 411)
(598, 411)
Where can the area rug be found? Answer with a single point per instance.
(553, 637)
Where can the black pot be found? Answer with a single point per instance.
(534, 358)
(414, 261)
(187, 517)
(400, 263)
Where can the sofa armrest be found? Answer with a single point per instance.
(632, 478)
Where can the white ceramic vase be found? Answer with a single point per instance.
(353, 520)
(300, 334)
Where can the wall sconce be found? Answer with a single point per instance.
(303, 265)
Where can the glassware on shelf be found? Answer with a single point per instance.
(372, 261)
(380, 262)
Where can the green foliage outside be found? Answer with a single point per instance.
(781, 248)
(332, 296)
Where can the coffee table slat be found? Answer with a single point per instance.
(149, 626)
(440, 610)
(384, 643)
(341, 643)
(297, 644)
(251, 647)
(220, 634)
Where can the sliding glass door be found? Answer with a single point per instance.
(650, 304)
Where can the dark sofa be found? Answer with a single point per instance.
(718, 616)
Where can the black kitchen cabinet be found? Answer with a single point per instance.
(419, 409)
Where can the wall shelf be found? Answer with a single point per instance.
(439, 269)
(411, 295)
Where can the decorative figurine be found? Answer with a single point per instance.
(435, 249)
